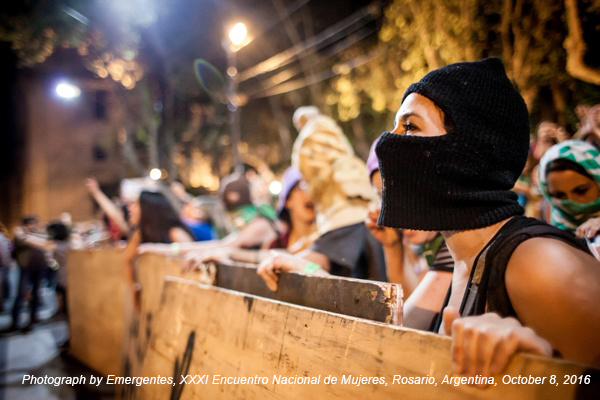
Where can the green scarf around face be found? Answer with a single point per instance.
(568, 215)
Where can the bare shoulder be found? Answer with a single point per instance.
(540, 264)
(178, 234)
(555, 289)
(540, 253)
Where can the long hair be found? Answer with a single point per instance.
(157, 217)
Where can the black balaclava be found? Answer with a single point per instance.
(461, 180)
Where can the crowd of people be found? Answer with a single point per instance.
(491, 231)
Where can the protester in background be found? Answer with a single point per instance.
(295, 211)
(154, 220)
(216, 215)
(116, 215)
(589, 124)
(547, 135)
(32, 263)
(569, 174)
(194, 217)
(236, 195)
(424, 291)
(5, 264)
(56, 245)
(460, 142)
(338, 183)
(257, 226)
(524, 187)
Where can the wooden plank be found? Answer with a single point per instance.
(376, 301)
(204, 330)
(152, 269)
(96, 295)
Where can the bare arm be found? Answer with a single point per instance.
(280, 261)
(39, 243)
(256, 233)
(108, 207)
(555, 290)
(427, 300)
(393, 251)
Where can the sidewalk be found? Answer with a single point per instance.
(37, 353)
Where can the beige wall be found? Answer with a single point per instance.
(59, 140)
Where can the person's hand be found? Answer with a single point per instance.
(19, 232)
(388, 237)
(92, 186)
(483, 345)
(562, 134)
(589, 229)
(193, 260)
(277, 262)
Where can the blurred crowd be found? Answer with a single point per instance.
(445, 187)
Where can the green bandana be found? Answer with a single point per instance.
(431, 249)
(568, 215)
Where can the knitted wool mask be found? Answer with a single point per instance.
(460, 180)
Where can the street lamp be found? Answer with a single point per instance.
(237, 36)
(67, 90)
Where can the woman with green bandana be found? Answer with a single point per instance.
(569, 174)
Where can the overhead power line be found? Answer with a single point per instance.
(290, 73)
(319, 77)
(295, 7)
(323, 39)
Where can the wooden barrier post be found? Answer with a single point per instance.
(208, 331)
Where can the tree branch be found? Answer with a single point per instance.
(575, 46)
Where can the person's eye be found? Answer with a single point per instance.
(558, 195)
(580, 191)
(409, 128)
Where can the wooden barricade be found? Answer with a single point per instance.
(376, 301)
(111, 338)
(96, 293)
(151, 271)
(311, 326)
(202, 330)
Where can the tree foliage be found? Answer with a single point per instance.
(421, 35)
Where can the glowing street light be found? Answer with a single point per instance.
(155, 174)
(238, 34)
(67, 90)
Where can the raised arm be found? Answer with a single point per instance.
(108, 207)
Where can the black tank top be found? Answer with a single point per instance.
(486, 289)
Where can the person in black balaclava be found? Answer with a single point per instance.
(460, 141)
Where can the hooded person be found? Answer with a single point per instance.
(460, 142)
(235, 193)
(569, 176)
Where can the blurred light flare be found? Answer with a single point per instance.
(275, 188)
(238, 34)
(155, 174)
(67, 90)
